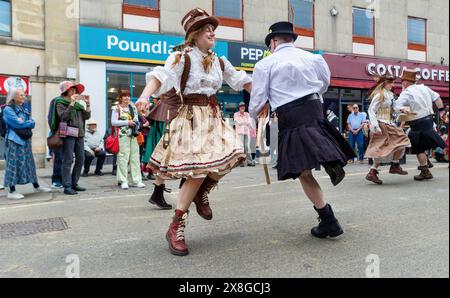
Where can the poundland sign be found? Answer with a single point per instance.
(118, 45)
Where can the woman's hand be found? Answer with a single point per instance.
(377, 132)
(131, 123)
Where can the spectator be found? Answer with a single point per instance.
(56, 153)
(243, 123)
(108, 132)
(125, 118)
(20, 166)
(144, 110)
(72, 110)
(93, 147)
(356, 122)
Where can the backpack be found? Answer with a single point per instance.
(2, 122)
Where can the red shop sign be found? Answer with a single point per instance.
(356, 71)
(7, 82)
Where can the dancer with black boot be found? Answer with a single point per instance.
(198, 145)
(418, 99)
(294, 80)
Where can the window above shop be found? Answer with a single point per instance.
(230, 12)
(363, 26)
(5, 18)
(301, 14)
(142, 15)
(417, 32)
(153, 4)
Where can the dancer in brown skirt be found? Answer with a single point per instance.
(387, 142)
(200, 146)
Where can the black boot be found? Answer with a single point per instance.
(157, 197)
(328, 224)
(114, 171)
(182, 182)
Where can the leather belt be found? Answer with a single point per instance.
(199, 100)
(300, 101)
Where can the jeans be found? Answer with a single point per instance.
(245, 140)
(88, 158)
(57, 166)
(359, 139)
(72, 145)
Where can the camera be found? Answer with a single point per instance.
(135, 130)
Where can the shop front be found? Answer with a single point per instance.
(352, 77)
(116, 59)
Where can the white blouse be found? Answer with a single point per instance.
(376, 105)
(199, 81)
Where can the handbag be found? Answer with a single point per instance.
(140, 139)
(24, 133)
(112, 143)
(54, 142)
(68, 131)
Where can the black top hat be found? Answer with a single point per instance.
(283, 28)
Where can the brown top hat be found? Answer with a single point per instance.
(409, 75)
(197, 18)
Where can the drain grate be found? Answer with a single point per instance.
(26, 228)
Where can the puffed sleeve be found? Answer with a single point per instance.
(169, 75)
(404, 100)
(236, 79)
(373, 109)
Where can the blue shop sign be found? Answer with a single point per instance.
(129, 46)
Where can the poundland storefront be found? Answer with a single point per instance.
(111, 60)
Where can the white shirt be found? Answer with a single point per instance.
(419, 98)
(376, 104)
(286, 75)
(199, 81)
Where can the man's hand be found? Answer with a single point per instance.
(264, 112)
(97, 149)
(131, 123)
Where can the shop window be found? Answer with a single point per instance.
(363, 31)
(5, 18)
(301, 14)
(417, 39)
(230, 13)
(141, 15)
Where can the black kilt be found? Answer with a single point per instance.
(423, 137)
(307, 140)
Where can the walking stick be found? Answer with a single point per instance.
(264, 153)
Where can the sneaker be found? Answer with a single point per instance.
(99, 173)
(124, 186)
(139, 185)
(15, 196)
(57, 185)
(42, 190)
(85, 174)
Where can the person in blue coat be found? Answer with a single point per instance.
(20, 166)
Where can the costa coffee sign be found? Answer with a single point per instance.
(8, 82)
(426, 74)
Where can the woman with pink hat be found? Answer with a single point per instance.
(68, 118)
(198, 146)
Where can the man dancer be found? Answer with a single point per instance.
(419, 99)
(293, 80)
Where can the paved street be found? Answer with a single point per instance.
(257, 230)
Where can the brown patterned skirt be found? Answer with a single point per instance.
(392, 139)
(200, 143)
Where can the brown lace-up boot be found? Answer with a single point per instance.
(425, 174)
(175, 234)
(201, 198)
(373, 177)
